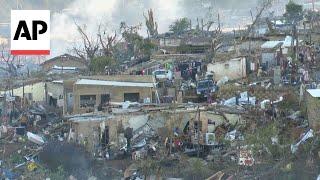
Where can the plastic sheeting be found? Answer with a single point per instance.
(243, 99)
(307, 135)
(35, 138)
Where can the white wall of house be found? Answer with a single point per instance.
(36, 92)
(233, 69)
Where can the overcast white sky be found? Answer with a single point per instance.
(233, 13)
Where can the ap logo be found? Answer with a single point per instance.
(30, 32)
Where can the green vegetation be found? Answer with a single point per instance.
(197, 169)
(293, 12)
(180, 26)
(59, 174)
(152, 26)
(291, 101)
(149, 167)
(98, 64)
(16, 159)
(137, 45)
(147, 47)
(184, 49)
(261, 140)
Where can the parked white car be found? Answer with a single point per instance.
(163, 74)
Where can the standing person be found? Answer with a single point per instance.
(209, 97)
(197, 77)
(24, 120)
(237, 97)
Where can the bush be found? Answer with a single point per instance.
(98, 64)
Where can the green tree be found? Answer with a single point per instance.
(147, 47)
(138, 46)
(98, 64)
(180, 26)
(152, 26)
(132, 37)
(293, 12)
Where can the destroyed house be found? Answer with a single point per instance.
(168, 61)
(66, 62)
(184, 44)
(97, 129)
(54, 93)
(313, 108)
(195, 45)
(90, 94)
(269, 54)
(68, 96)
(175, 58)
(233, 69)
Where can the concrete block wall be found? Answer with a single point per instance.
(116, 94)
(233, 69)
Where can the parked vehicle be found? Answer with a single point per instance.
(206, 86)
(163, 74)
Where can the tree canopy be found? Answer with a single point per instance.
(98, 64)
(293, 12)
(140, 47)
(180, 26)
(152, 26)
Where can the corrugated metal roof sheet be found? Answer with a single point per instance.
(314, 92)
(64, 68)
(270, 44)
(58, 81)
(113, 83)
(273, 44)
(89, 117)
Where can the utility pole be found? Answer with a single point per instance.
(4, 113)
(198, 133)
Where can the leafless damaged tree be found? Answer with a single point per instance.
(9, 59)
(264, 5)
(107, 42)
(89, 47)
